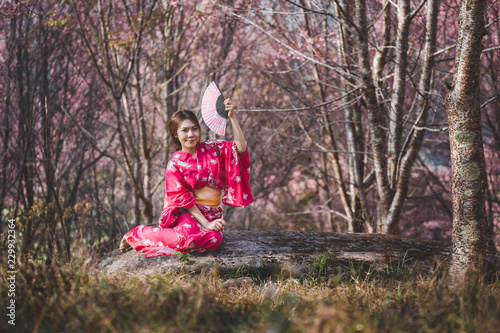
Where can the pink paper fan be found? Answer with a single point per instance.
(213, 109)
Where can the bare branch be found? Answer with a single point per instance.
(323, 12)
(489, 101)
(492, 22)
(305, 56)
(92, 140)
(325, 150)
(415, 12)
(444, 50)
(491, 49)
(304, 108)
(420, 128)
(307, 212)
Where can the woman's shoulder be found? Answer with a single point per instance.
(178, 155)
(180, 159)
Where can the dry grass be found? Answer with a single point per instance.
(66, 298)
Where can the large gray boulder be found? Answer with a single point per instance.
(288, 252)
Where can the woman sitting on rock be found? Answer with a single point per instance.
(199, 177)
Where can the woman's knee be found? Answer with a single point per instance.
(215, 241)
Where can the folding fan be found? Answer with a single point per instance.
(213, 109)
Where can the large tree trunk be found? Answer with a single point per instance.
(466, 143)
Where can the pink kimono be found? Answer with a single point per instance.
(217, 164)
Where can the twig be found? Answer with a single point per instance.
(294, 50)
(325, 150)
(305, 212)
(93, 141)
(301, 109)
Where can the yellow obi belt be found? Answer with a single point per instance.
(208, 196)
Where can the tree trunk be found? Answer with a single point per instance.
(398, 90)
(466, 143)
(375, 117)
(380, 58)
(408, 156)
(354, 136)
(11, 47)
(26, 134)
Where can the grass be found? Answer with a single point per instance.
(332, 298)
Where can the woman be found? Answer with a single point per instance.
(199, 177)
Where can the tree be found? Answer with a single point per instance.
(466, 142)
(385, 111)
(114, 40)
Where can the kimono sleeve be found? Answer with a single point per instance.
(178, 195)
(236, 168)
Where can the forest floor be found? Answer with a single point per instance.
(331, 298)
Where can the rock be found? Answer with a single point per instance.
(290, 253)
(239, 282)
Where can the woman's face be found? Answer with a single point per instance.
(189, 135)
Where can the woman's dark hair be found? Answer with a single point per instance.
(175, 120)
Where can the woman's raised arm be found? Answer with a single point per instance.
(239, 138)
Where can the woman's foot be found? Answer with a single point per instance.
(124, 245)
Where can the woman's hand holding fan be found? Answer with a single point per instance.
(230, 108)
(213, 109)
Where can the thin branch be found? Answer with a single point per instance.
(155, 187)
(301, 109)
(92, 140)
(444, 50)
(489, 101)
(289, 70)
(420, 128)
(494, 2)
(415, 12)
(445, 59)
(306, 212)
(454, 45)
(272, 136)
(305, 56)
(324, 150)
(491, 49)
(434, 194)
(323, 12)
(29, 9)
(492, 22)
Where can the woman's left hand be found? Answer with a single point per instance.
(217, 225)
(230, 108)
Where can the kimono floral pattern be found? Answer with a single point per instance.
(217, 164)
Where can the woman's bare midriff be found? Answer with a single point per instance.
(208, 196)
